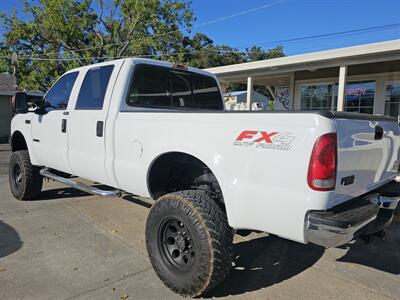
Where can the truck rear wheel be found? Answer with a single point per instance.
(25, 180)
(189, 242)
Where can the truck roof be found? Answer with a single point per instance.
(137, 60)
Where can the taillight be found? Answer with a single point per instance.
(322, 168)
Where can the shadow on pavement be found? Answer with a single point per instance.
(10, 241)
(134, 199)
(380, 255)
(61, 193)
(263, 262)
(66, 192)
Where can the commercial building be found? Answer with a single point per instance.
(363, 79)
(238, 100)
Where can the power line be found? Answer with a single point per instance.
(240, 13)
(178, 30)
(193, 51)
(188, 51)
(306, 47)
(360, 30)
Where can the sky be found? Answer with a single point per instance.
(259, 24)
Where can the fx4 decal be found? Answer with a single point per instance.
(265, 140)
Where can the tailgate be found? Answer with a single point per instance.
(368, 152)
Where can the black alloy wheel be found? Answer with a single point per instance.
(16, 177)
(176, 244)
(24, 178)
(189, 242)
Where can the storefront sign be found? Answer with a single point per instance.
(282, 98)
(356, 91)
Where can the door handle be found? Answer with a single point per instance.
(99, 128)
(64, 125)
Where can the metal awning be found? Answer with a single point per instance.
(382, 51)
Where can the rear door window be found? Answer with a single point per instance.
(94, 87)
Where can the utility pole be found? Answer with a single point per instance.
(14, 59)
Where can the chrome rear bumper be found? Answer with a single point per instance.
(361, 216)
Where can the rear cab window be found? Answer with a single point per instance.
(168, 88)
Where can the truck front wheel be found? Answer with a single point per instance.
(25, 180)
(189, 242)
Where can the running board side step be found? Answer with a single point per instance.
(79, 185)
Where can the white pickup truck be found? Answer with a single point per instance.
(159, 130)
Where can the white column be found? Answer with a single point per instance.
(342, 88)
(379, 100)
(249, 92)
(292, 91)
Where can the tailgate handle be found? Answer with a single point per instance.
(378, 132)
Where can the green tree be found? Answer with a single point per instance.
(201, 52)
(80, 32)
(253, 54)
(257, 53)
(59, 28)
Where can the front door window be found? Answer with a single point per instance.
(58, 96)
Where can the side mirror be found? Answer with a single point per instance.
(20, 103)
(38, 103)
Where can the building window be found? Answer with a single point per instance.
(316, 97)
(392, 99)
(359, 97)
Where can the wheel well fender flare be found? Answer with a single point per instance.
(18, 141)
(184, 153)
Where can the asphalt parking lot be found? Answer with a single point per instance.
(71, 245)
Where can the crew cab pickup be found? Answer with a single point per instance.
(160, 130)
